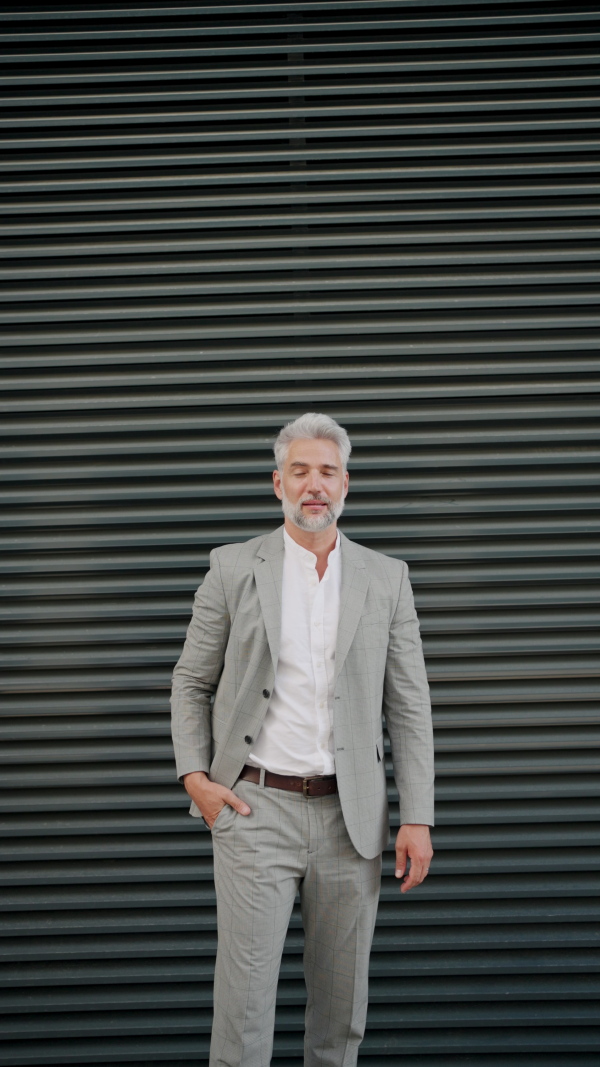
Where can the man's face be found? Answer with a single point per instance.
(312, 485)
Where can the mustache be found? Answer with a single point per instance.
(320, 499)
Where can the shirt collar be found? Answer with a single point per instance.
(308, 558)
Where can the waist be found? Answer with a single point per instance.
(321, 785)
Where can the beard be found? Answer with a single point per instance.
(312, 523)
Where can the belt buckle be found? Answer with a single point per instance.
(306, 785)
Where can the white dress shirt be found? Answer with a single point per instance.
(297, 733)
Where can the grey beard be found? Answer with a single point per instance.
(312, 523)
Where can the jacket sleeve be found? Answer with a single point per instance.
(197, 672)
(407, 709)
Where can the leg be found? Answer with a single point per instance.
(339, 895)
(259, 861)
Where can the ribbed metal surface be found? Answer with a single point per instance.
(218, 217)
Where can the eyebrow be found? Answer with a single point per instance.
(302, 463)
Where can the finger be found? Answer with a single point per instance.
(210, 817)
(414, 877)
(236, 802)
(400, 862)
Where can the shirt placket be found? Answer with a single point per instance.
(317, 647)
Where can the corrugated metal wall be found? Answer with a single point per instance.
(219, 217)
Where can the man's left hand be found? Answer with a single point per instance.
(413, 843)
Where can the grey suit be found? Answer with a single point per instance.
(329, 849)
(231, 651)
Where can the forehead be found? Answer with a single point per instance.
(313, 451)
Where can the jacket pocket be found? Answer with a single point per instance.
(379, 748)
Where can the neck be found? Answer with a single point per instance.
(320, 543)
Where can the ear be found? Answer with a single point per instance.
(277, 485)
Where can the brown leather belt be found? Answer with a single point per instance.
(322, 785)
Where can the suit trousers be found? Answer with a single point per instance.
(290, 844)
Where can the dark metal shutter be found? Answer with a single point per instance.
(218, 217)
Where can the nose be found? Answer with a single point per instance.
(314, 482)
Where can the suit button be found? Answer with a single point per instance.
(248, 739)
(266, 693)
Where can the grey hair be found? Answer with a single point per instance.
(312, 425)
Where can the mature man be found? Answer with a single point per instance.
(299, 640)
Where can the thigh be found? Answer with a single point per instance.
(340, 888)
(339, 895)
(258, 865)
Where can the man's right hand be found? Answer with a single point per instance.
(211, 798)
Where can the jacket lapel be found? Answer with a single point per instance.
(355, 582)
(268, 574)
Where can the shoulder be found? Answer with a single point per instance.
(377, 563)
(232, 566)
(242, 556)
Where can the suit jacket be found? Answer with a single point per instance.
(223, 680)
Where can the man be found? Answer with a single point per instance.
(299, 640)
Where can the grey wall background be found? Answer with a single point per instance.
(218, 217)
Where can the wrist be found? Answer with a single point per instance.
(193, 781)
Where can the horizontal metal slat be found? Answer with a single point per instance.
(291, 1018)
(354, 238)
(517, 976)
(308, 88)
(459, 873)
(514, 459)
(435, 302)
(203, 918)
(456, 816)
(310, 132)
(312, 6)
(564, 324)
(343, 23)
(156, 225)
(123, 1050)
(486, 410)
(560, 191)
(546, 505)
(461, 642)
(528, 283)
(63, 869)
(347, 46)
(444, 664)
(525, 62)
(439, 888)
(514, 793)
(79, 490)
(512, 368)
(457, 440)
(148, 996)
(98, 720)
(537, 169)
(381, 109)
(154, 764)
(412, 940)
(525, 538)
(446, 147)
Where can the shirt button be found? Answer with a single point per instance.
(248, 739)
(266, 693)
